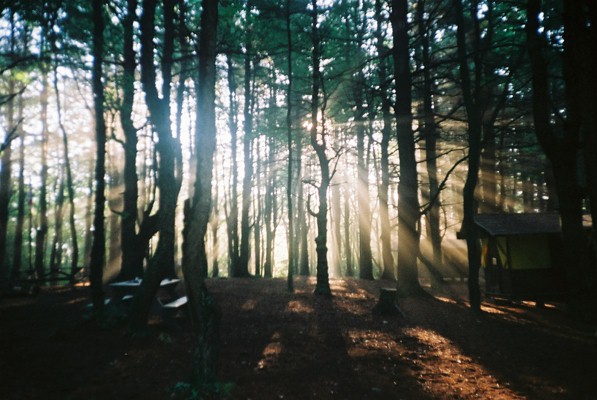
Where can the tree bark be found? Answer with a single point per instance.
(98, 249)
(162, 262)
(289, 205)
(470, 94)
(408, 202)
(430, 134)
(384, 214)
(205, 313)
(322, 286)
(232, 224)
(242, 269)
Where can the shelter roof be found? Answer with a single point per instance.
(522, 224)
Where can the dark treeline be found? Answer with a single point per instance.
(278, 138)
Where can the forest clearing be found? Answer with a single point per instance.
(281, 345)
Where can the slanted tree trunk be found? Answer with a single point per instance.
(408, 202)
(204, 311)
(98, 249)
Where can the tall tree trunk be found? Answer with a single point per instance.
(205, 313)
(303, 268)
(289, 190)
(562, 151)
(408, 202)
(243, 263)
(42, 229)
(22, 194)
(384, 215)
(431, 135)
(471, 96)
(6, 181)
(233, 239)
(322, 286)
(98, 249)
(132, 247)
(269, 211)
(162, 262)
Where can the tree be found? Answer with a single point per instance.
(384, 215)
(205, 314)
(408, 202)
(162, 262)
(98, 250)
(319, 146)
(562, 148)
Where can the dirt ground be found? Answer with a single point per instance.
(280, 345)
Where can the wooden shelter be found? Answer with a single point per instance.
(522, 256)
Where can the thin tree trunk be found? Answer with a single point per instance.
(233, 239)
(292, 239)
(22, 195)
(430, 134)
(98, 249)
(243, 264)
(384, 214)
(322, 286)
(6, 180)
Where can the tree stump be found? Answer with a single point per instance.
(387, 303)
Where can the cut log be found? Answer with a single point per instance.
(387, 303)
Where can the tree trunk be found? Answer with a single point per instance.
(408, 202)
(291, 229)
(323, 286)
(6, 182)
(242, 269)
(347, 243)
(233, 239)
(384, 215)
(133, 249)
(471, 101)
(562, 151)
(205, 313)
(162, 262)
(22, 194)
(98, 249)
(430, 134)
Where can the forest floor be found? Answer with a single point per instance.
(280, 345)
